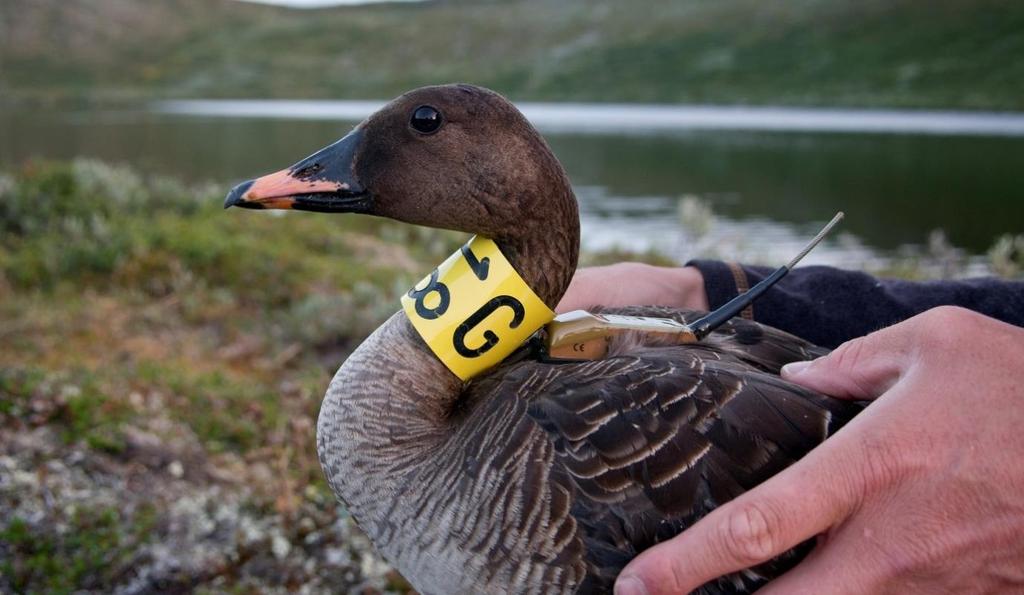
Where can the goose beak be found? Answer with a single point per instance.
(323, 182)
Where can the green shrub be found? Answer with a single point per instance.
(72, 400)
(85, 224)
(1007, 256)
(88, 555)
(75, 221)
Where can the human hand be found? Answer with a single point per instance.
(921, 493)
(635, 284)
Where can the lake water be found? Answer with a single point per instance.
(644, 174)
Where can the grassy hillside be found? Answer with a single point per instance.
(920, 53)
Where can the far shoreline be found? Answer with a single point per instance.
(623, 118)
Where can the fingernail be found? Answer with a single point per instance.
(794, 369)
(630, 585)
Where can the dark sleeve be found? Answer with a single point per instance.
(828, 306)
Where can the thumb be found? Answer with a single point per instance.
(863, 368)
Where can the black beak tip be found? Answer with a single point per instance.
(234, 197)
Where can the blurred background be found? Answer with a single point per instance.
(162, 361)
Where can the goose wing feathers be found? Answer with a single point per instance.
(655, 437)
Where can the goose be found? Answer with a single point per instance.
(534, 475)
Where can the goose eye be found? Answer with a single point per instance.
(426, 120)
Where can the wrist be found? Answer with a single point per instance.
(683, 287)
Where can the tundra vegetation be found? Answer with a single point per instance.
(162, 363)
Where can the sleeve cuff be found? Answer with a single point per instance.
(720, 281)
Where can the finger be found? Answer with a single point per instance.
(863, 368)
(802, 501)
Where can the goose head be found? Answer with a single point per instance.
(455, 157)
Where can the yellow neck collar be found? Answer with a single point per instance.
(475, 310)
